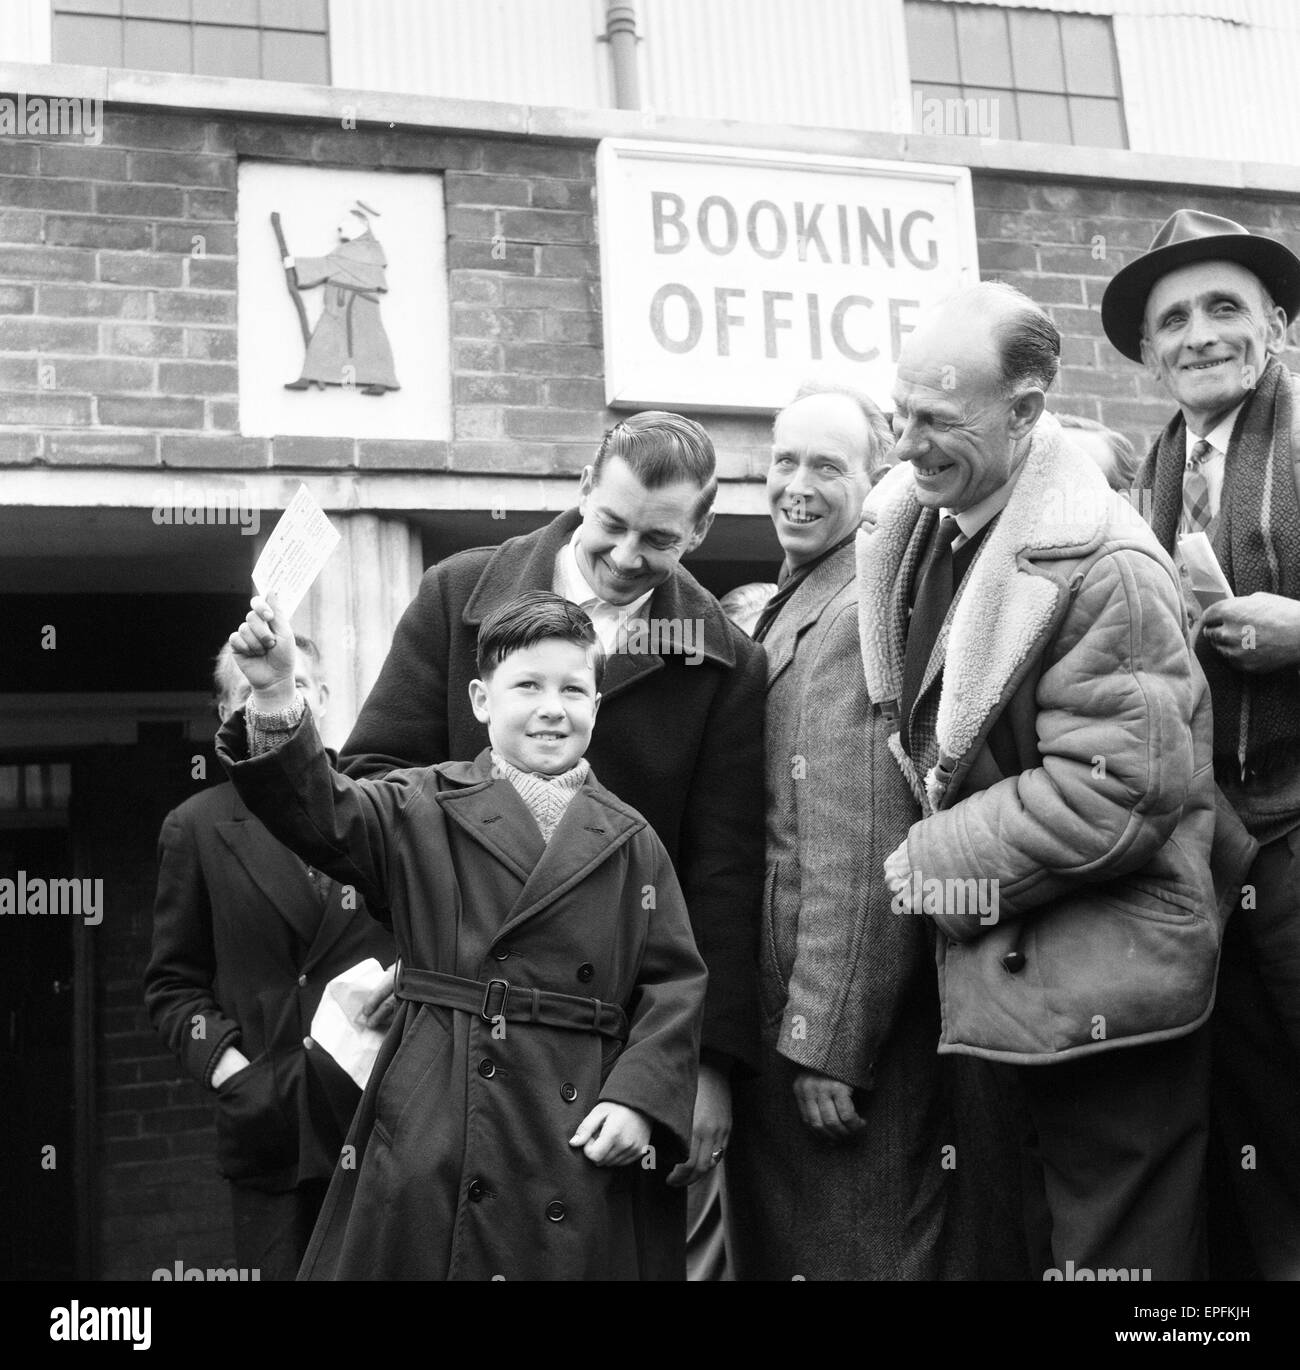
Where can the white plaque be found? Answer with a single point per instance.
(731, 275)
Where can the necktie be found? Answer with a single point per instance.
(934, 592)
(1196, 490)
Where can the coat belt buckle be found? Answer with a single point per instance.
(484, 1013)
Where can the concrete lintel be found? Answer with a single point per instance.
(336, 492)
(217, 95)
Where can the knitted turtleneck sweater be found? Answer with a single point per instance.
(547, 796)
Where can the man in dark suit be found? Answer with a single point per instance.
(681, 723)
(245, 939)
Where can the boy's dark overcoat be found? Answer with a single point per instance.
(463, 1168)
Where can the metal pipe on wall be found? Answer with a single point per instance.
(620, 31)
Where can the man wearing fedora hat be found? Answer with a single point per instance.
(1206, 309)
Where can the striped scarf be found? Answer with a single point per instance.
(547, 796)
(1257, 542)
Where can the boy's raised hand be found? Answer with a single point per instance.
(612, 1134)
(264, 650)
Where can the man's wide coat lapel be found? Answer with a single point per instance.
(806, 606)
(274, 870)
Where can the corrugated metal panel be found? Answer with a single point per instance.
(1210, 88)
(543, 52)
(25, 31)
(836, 63)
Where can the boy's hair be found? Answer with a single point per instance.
(227, 677)
(532, 618)
(661, 449)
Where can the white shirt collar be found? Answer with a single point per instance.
(971, 520)
(1219, 436)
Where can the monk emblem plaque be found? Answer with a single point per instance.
(348, 346)
(344, 326)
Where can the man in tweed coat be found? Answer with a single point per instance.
(833, 1170)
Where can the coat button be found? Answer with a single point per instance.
(586, 971)
(568, 1092)
(1014, 961)
(555, 1211)
(302, 982)
(486, 1069)
(501, 954)
(476, 1191)
(307, 1043)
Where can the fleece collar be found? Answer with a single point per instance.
(1060, 509)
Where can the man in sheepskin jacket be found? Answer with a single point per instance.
(1024, 629)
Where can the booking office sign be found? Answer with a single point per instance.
(730, 275)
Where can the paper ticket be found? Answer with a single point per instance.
(295, 552)
(1201, 571)
(337, 1025)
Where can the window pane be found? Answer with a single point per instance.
(994, 113)
(1043, 118)
(1036, 50)
(154, 46)
(225, 51)
(294, 14)
(1096, 122)
(87, 41)
(931, 42)
(1089, 58)
(929, 108)
(226, 12)
(159, 9)
(983, 46)
(295, 57)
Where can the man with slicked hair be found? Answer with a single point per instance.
(680, 736)
(1023, 630)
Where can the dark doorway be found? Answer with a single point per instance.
(38, 1184)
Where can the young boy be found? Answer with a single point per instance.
(537, 1082)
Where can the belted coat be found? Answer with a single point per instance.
(462, 1166)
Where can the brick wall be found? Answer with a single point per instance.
(1062, 243)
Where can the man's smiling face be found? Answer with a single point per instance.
(953, 416)
(1208, 332)
(632, 537)
(818, 477)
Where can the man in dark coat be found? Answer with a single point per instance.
(245, 939)
(1206, 310)
(681, 725)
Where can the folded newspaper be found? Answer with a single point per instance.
(1201, 571)
(337, 1026)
